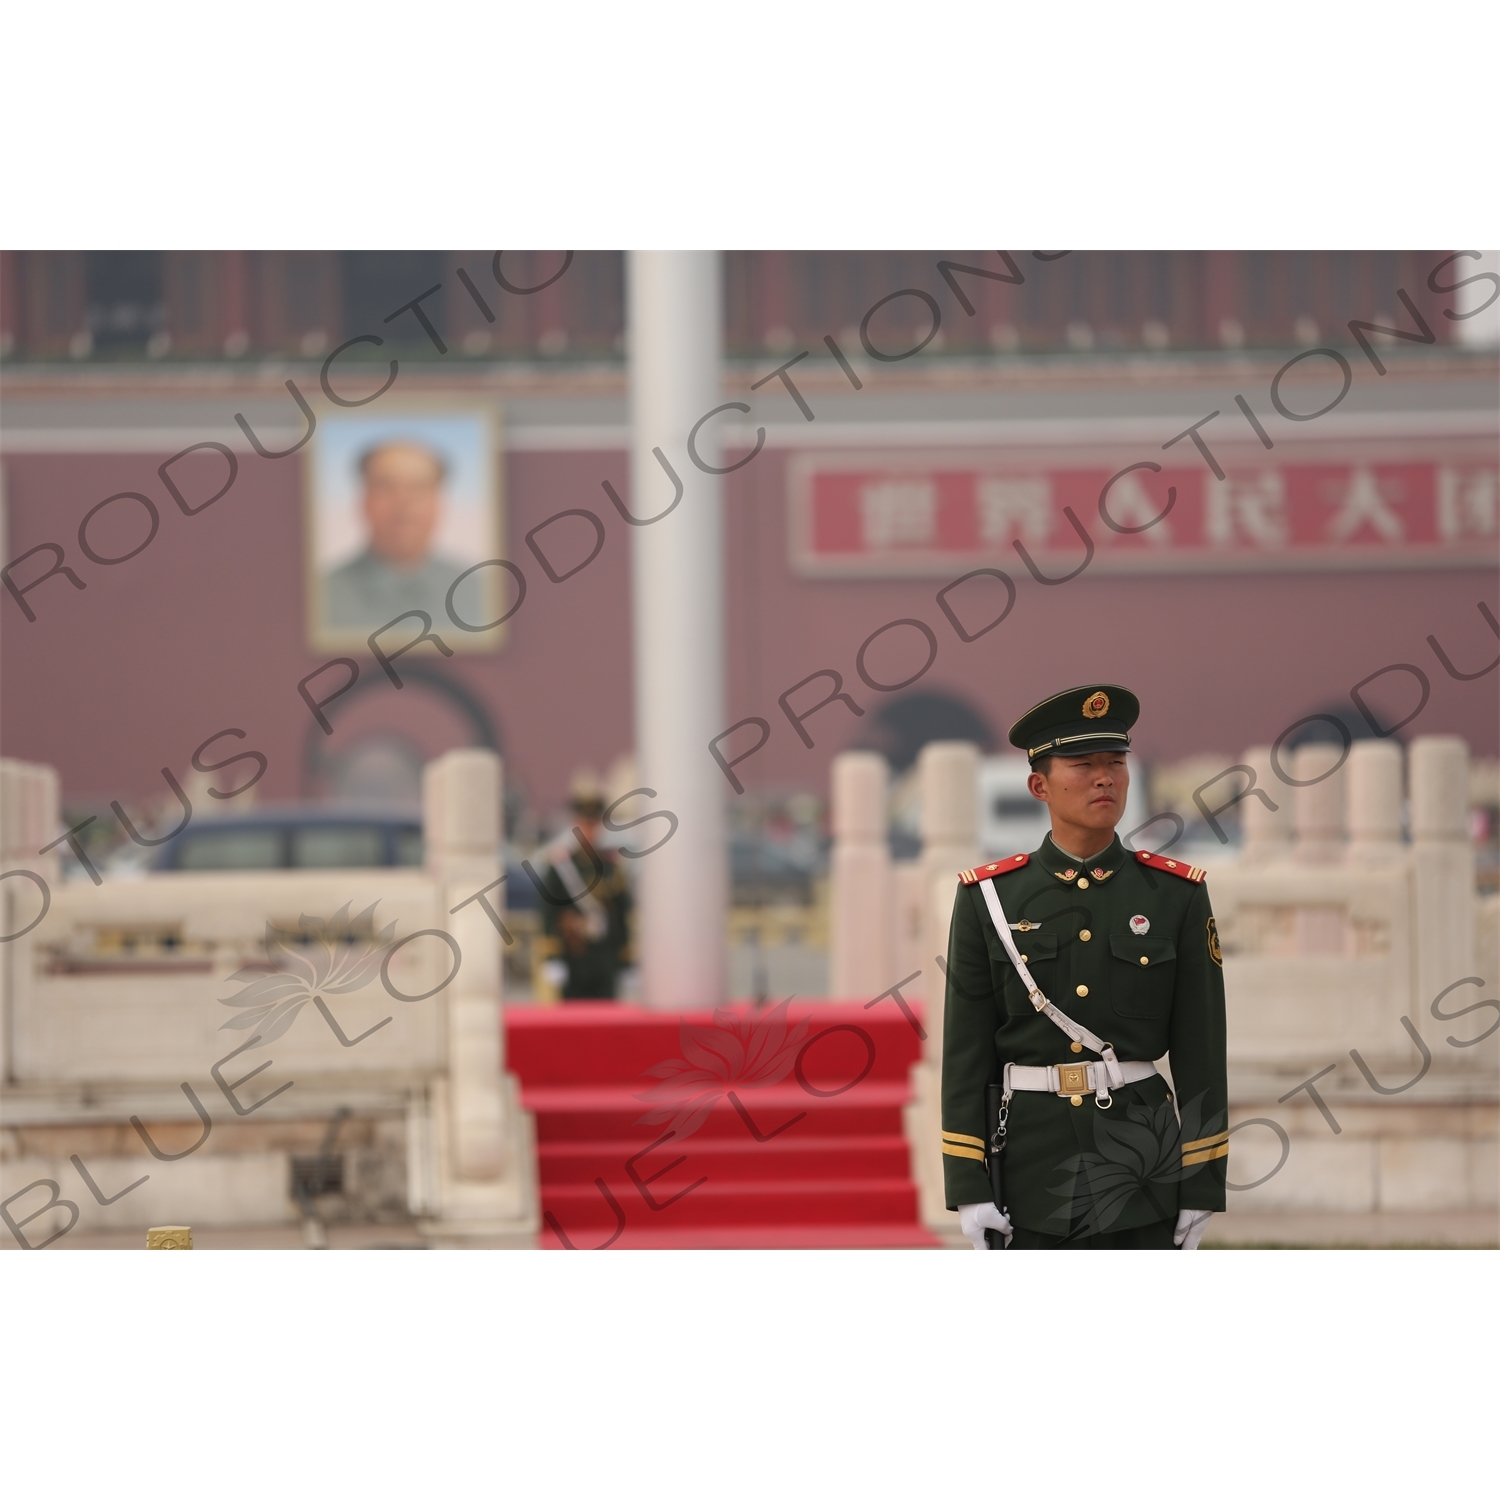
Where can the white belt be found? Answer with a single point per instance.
(1075, 1078)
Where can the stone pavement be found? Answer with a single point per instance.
(1467, 1228)
(257, 1237)
(1454, 1230)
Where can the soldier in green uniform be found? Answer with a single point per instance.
(1125, 968)
(586, 903)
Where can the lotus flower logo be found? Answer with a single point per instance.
(739, 1050)
(1137, 1151)
(324, 957)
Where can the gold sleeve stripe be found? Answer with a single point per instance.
(1201, 1156)
(965, 1151)
(963, 1140)
(1207, 1140)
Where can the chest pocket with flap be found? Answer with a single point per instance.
(1143, 975)
(1039, 953)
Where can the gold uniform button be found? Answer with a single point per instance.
(1076, 1046)
(1077, 1100)
(1085, 935)
(1025, 958)
(1144, 959)
(1083, 885)
(1082, 990)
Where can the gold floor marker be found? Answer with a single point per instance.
(170, 1237)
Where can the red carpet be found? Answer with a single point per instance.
(772, 1128)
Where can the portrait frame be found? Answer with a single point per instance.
(466, 432)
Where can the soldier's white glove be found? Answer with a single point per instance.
(1191, 1222)
(975, 1218)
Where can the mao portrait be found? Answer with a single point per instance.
(400, 506)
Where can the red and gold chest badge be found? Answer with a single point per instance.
(1096, 705)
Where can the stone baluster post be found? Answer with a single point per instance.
(1320, 929)
(461, 826)
(28, 821)
(1442, 867)
(29, 802)
(1318, 805)
(862, 937)
(1268, 833)
(1373, 804)
(948, 774)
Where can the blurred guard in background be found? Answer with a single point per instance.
(586, 905)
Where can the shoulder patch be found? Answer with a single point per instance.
(999, 867)
(1196, 873)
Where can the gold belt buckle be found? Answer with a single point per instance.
(1073, 1078)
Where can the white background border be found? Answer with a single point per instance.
(788, 123)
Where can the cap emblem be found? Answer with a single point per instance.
(1096, 705)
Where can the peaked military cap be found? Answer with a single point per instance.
(586, 795)
(1078, 722)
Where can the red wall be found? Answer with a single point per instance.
(1220, 662)
(205, 630)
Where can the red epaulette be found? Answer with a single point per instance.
(1000, 867)
(1195, 873)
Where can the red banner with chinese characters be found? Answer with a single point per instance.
(890, 516)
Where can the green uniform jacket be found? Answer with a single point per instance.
(1072, 1168)
(594, 968)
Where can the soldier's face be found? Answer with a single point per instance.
(401, 502)
(1084, 791)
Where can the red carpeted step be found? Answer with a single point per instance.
(599, 1113)
(697, 1203)
(816, 1158)
(759, 1237)
(601, 1042)
(784, 1159)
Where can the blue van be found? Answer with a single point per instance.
(295, 838)
(306, 838)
